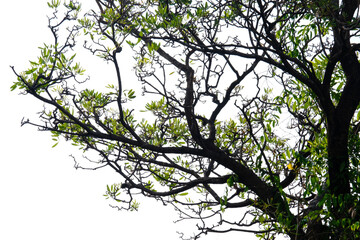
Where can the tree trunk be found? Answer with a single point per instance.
(338, 157)
(338, 170)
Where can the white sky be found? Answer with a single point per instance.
(42, 196)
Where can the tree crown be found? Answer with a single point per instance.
(249, 104)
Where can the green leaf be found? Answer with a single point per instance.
(230, 181)
(31, 71)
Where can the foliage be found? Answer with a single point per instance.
(251, 105)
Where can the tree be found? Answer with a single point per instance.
(287, 71)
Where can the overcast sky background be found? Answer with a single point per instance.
(42, 195)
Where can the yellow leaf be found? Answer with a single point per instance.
(290, 166)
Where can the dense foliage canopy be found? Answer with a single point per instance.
(251, 105)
